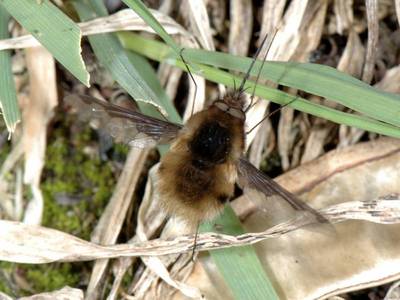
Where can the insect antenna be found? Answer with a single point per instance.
(271, 114)
(262, 65)
(258, 77)
(191, 77)
(241, 89)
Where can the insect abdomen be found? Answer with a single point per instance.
(192, 193)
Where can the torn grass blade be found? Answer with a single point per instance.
(54, 30)
(150, 20)
(8, 95)
(113, 57)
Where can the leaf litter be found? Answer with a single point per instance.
(325, 31)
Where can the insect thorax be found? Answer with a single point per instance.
(210, 145)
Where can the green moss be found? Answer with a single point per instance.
(72, 174)
(6, 269)
(52, 277)
(84, 184)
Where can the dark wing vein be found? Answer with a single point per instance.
(252, 177)
(125, 125)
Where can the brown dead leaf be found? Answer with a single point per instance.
(310, 265)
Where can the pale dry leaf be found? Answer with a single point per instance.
(397, 6)
(155, 265)
(261, 142)
(124, 20)
(209, 271)
(286, 136)
(258, 111)
(349, 136)
(288, 36)
(258, 106)
(8, 198)
(298, 36)
(217, 14)
(200, 23)
(272, 14)
(241, 18)
(253, 117)
(5, 297)
(316, 140)
(169, 78)
(23, 243)
(146, 286)
(352, 59)
(180, 270)
(389, 83)
(110, 223)
(12, 158)
(36, 113)
(373, 39)
(394, 292)
(343, 10)
(196, 96)
(18, 199)
(149, 221)
(66, 293)
(312, 29)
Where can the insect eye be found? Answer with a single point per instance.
(221, 105)
(236, 113)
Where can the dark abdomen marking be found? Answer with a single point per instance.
(210, 145)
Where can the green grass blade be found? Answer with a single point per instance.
(113, 57)
(316, 79)
(149, 76)
(8, 95)
(161, 52)
(54, 30)
(239, 266)
(146, 15)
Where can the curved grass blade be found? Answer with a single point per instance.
(316, 79)
(113, 57)
(150, 20)
(239, 266)
(8, 95)
(54, 30)
(159, 51)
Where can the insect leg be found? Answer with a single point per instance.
(195, 241)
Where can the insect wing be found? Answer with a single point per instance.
(251, 177)
(124, 125)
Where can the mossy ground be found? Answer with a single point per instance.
(76, 186)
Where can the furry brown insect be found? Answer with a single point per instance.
(197, 175)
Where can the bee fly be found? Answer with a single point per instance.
(206, 158)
